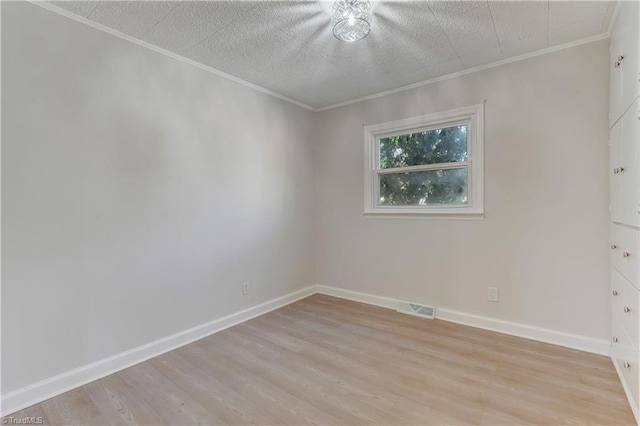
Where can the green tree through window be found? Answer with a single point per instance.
(446, 185)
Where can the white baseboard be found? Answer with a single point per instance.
(356, 296)
(573, 341)
(48, 388)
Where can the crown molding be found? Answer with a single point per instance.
(471, 70)
(111, 31)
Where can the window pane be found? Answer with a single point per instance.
(446, 145)
(448, 186)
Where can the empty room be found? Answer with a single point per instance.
(343, 212)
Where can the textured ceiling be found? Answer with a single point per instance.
(288, 46)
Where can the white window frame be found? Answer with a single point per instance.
(471, 116)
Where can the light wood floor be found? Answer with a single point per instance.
(324, 360)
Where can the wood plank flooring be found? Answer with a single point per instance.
(324, 360)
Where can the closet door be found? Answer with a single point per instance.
(615, 202)
(615, 76)
(629, 64)
(629, 161)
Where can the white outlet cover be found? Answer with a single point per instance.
(493, 294)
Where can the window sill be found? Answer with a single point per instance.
(423, 215)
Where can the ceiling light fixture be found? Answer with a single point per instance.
(351, 19)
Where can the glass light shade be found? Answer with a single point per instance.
(351, 19)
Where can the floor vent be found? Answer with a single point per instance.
(424, 311)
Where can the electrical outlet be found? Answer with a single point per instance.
(245, 288)
(493, 294)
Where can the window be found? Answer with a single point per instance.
(426, 167)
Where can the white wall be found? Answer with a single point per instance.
(138, 193)
(544, 241)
